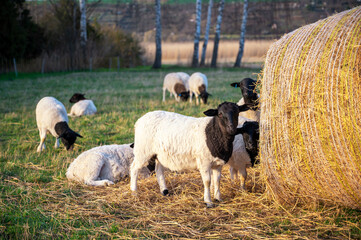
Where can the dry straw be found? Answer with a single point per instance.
(311, 113)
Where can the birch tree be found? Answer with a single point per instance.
(158, 36)
(217, 34)
(242, 36)
(206, 35)
(83, 33)
(197, 33)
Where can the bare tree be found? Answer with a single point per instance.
(242, 36)
(217, 34)
(206, 35)
(197, 33)
(83, 33)
(158, 36)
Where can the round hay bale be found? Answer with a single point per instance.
(310, 144)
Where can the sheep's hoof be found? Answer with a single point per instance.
(210, 205)
(218, 200)
(165, 192)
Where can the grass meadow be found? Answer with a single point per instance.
(38, 202)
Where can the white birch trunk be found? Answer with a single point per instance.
(243, 34)
(158, 36)
(217, 34)
(197, 33)
(206, 35)
(83, 33)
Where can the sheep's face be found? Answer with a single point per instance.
(227, 117)
(68, 139)
(250, 133)
(247, 86)
(77, 97)
(184, 96)
(204, 97)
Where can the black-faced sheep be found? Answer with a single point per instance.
(174, 83)
(249, 97)
(82, 106)
(51, 117)
(198, 85)
(180, 142)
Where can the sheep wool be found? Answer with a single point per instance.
(83, 107)
(198, 84)
(104, 165)
(174, 83)
(250, 114)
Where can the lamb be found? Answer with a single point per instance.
(245, 149)
(104, 165)
(51, 117)
(250, 97)
(181, 142)
(198, 85)
(173, 82)
(82, 105)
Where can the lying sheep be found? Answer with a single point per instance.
(245, 149)
(82, 106)
(249, 97)
(174, 84)
(102, 166)
(180, 142)
(198, 85)
(51, 117)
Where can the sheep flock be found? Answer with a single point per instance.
(227, 134)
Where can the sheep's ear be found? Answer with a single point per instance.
(235, 84)
(243, 107)
(240, 130)
(78, 134)
(131, 145)
(211, 112)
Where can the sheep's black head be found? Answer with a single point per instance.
(247, 86)
(77, 97)
(227, 116)
(250, 133)
(184, 96)
(204, 96)
(67, 136)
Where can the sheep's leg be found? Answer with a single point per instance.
(190, 96)
(93, 175)
(216, 179)
(197, 100)
(57, 143)
(159, 170)
(41, 146)
(206, 177)
(243, 172)
(164, 94)
(134, 170)
(234, 173)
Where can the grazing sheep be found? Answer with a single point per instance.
(180, 142)
(82, 106)
(245, 149)
(198, 85)
(249, 97)
(185, 78)
(104, 165)
(51, 117)
(174, 84)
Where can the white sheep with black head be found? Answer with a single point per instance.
(104, 165)
(174, 83)
(249, 97)
(51, 117)
(82, 106)
(181, 142)
(198, 84)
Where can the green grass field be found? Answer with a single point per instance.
(37, 201)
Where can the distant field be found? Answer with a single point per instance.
(181, 53)
(38, 202)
